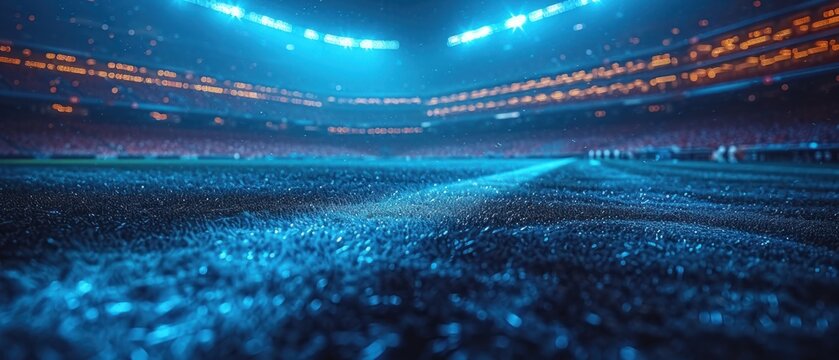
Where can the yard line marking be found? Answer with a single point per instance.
(448, 199)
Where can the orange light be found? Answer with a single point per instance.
(62, 109)
(159, 116)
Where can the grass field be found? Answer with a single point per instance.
(396, 259)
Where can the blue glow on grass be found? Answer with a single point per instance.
(427, 203)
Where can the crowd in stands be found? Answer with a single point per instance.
(698, 134)
(53, 137)
(701, 134)
(168, 141)
(36, 138)
(48, 138)
(62, 87)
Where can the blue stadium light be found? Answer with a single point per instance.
(470, 35)
(238, 12)
(228, 9)
(518, 21)
(483, 32)
(269, 22)
(345, 42)
(340, 41)
(515, 22)
(386, 44)
(536, 15)
(311, 34)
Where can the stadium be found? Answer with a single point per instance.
(419, 179)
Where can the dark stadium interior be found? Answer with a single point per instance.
(615, 179)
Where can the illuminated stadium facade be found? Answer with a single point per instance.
(294, 79)
(785, 43)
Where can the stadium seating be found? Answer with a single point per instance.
(77, 137)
